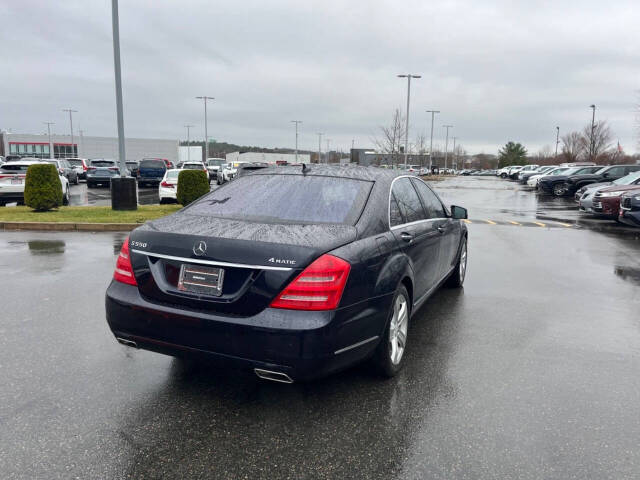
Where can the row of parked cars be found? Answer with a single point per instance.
(14, 172)
(610, 191)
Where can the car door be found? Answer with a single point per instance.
(615, 173)
(449, 229)
(416, 234)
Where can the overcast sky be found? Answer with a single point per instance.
(497, 70)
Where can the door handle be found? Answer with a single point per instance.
(407, 237)
(442, 229)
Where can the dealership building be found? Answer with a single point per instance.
(60, 146)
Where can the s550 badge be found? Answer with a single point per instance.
(138, 244)
(281, 261)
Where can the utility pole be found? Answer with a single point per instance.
(48, 124)
(455, 157)
(319, 146)
(446, 144)
(592, 147)
(432, 112)
(188, 127)
(328, 140)
(353, 142)
(557, 140)
(81, 142)
(206, 134)
(296, 122)
(408, 76)
(71, 112)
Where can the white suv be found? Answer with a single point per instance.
(12, 178)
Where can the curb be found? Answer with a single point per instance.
(69, 226)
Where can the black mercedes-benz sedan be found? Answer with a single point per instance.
(293, 272)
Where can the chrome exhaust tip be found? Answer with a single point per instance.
(273, 376)
(128, 343)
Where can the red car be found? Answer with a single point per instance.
(606, 202)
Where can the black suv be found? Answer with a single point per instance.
(605, 174)
(556, 185)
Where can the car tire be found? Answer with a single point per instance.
(456, 279)
(90, 185)
(390, 352)
(163, 201)
(65, 197)
(76, 181)
(503, 175)
(559, 190)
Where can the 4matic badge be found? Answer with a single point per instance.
(281, 261)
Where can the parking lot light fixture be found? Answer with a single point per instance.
(48, 124)
(206, 132)
(557, 140)
(297, 122)
(319, 146)
(446, 145)
(408, 76)
(432, 112)
(71, 112)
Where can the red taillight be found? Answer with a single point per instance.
(167, 185)
(91, 168)
(318, 287)
(124, 271)
(84, 167)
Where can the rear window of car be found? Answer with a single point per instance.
(193, 166)
(14, 168)
(102, 163)
(75, 163)
(152, 164)
(173, 174)
(287, 199)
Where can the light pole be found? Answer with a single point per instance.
(123, 190)
(432, 112)
(296, 122)
(328, 140)
(48, 124)
(319, 146)
(446, 145)
(557, 140)
(188, 127)
(455, 157)
(206, 134)
(408, 76)
(71, 112)
(593, 125)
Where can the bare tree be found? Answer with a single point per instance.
(572, 147)
(600, 146)
(391, 136)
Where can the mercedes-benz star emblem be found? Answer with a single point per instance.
(200, 248)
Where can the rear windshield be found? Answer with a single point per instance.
(75, 163)
(216, 162)
(14, 168)
(192, 166)
(102, 163)
(152, 164)
(106, 171)
(287, 199)
(173, 174)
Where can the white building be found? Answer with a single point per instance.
(29, 145)
(270, 158)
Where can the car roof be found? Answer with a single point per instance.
(343, 171)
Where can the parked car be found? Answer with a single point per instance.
(605, 174)
(556, 184)
(193, 166)
(213, 165)
(533, 179)
(524, 176)
(132, 167)
(227, 172)
(325, 274)
(630, 209)
(247, 168)
(101, 176)
(64, 168)
(168, 186)
(102, 162)
(151, 171)
(80, 166)
(515, 171)
(2, 160)
(585, 195)
(606, 201)
(12, 179)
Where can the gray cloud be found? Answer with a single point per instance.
(498, 71)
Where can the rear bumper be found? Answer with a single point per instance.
(11, 196)
(154, 180)
(302, 344)
(630, 217)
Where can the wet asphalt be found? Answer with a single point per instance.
(530, 371)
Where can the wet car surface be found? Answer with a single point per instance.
(530, 371)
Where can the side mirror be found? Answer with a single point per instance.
(605, 175)
(459, 213)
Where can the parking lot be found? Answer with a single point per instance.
(530, 371)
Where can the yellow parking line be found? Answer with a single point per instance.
(565, 224)
(513, 222)
(491, 222)
(465, 220)
(540, 224)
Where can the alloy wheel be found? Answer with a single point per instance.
(398, 329)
